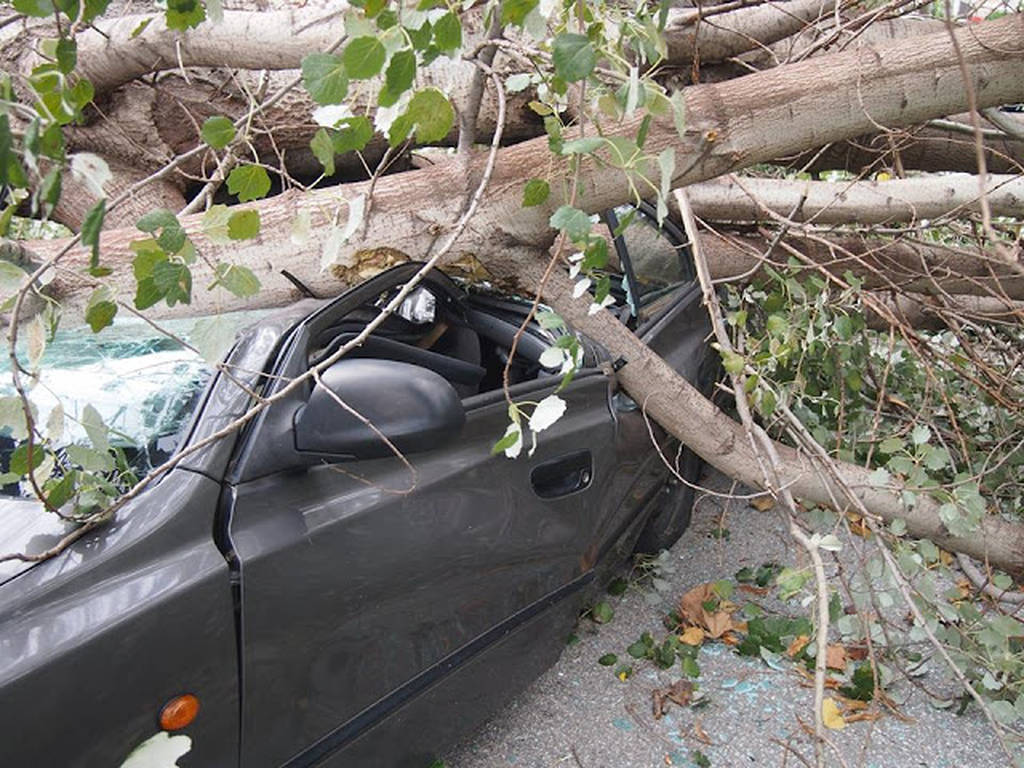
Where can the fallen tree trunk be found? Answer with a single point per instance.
(718, 37)
(896, 201)
(924, 148)
(897, 265)
(730, 125)
(684, 412)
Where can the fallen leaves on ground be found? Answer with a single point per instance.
(692, 636)
(835, 657)
(831, 716)
(716, 621)
(679, 693)
(799, 643)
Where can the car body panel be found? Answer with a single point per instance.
(109, 630)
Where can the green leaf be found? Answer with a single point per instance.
(248, 182)
(59, 492)
(641, 134)
(364, 57)
(146, 293)
(147, 254)
(507, 441)
(430, 113)
(37, 8)
(243, 225)
(91, 227)
(547, 319)
(66, 55)
(90, 459)
(516, 11)
(100, 309)
(602, 613)
(217, 131)
(95, 429)
(401, 72)
(323, 150)
(20, 463)
(608, 660)
(582, 146)
(535, 192)
(700, 759)
(421, 37)
(574, 56)
(183, 14)
(353, 134)
(690, 667)
(448, 32)
(11, 172)
(732, 362)
(637, 650)
(172, 236)
(215, 223)
(324, 76)
(240, 280)
(617, 587)
(174, 281)
(213, 337)
(50, 189)
(890, 445)
(575, 222)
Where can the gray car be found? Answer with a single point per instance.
(320, 604)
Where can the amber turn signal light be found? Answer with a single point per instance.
(179, 712)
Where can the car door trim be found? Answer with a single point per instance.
(347, 733)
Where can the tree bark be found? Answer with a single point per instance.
(897, 265)
(921, 148)
(718, 37)
(912, 200)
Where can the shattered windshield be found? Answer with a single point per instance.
(144, 386)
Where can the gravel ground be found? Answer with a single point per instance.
(580, 715)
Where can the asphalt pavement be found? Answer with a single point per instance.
(580, 714)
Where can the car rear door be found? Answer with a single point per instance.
(365, 587)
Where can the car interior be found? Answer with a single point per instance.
(467, 340)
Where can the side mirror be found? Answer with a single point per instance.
(415, 408)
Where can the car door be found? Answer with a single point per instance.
(364, 588)
(664, 299)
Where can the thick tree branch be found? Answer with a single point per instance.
(862, 202)
(745, 29)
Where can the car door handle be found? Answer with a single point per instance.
(562, 476)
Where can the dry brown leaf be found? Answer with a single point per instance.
(830, 715)
(717, 623)
(691, 605)
(850, 705)
(835, 657)
(730, 638)
(857, 525)
(857, 652)
(857, 717)
(946, 558)
(799, 643)
(679, 692)
(760, 591)
(763, 503)
(692, 636)
(700, 733)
